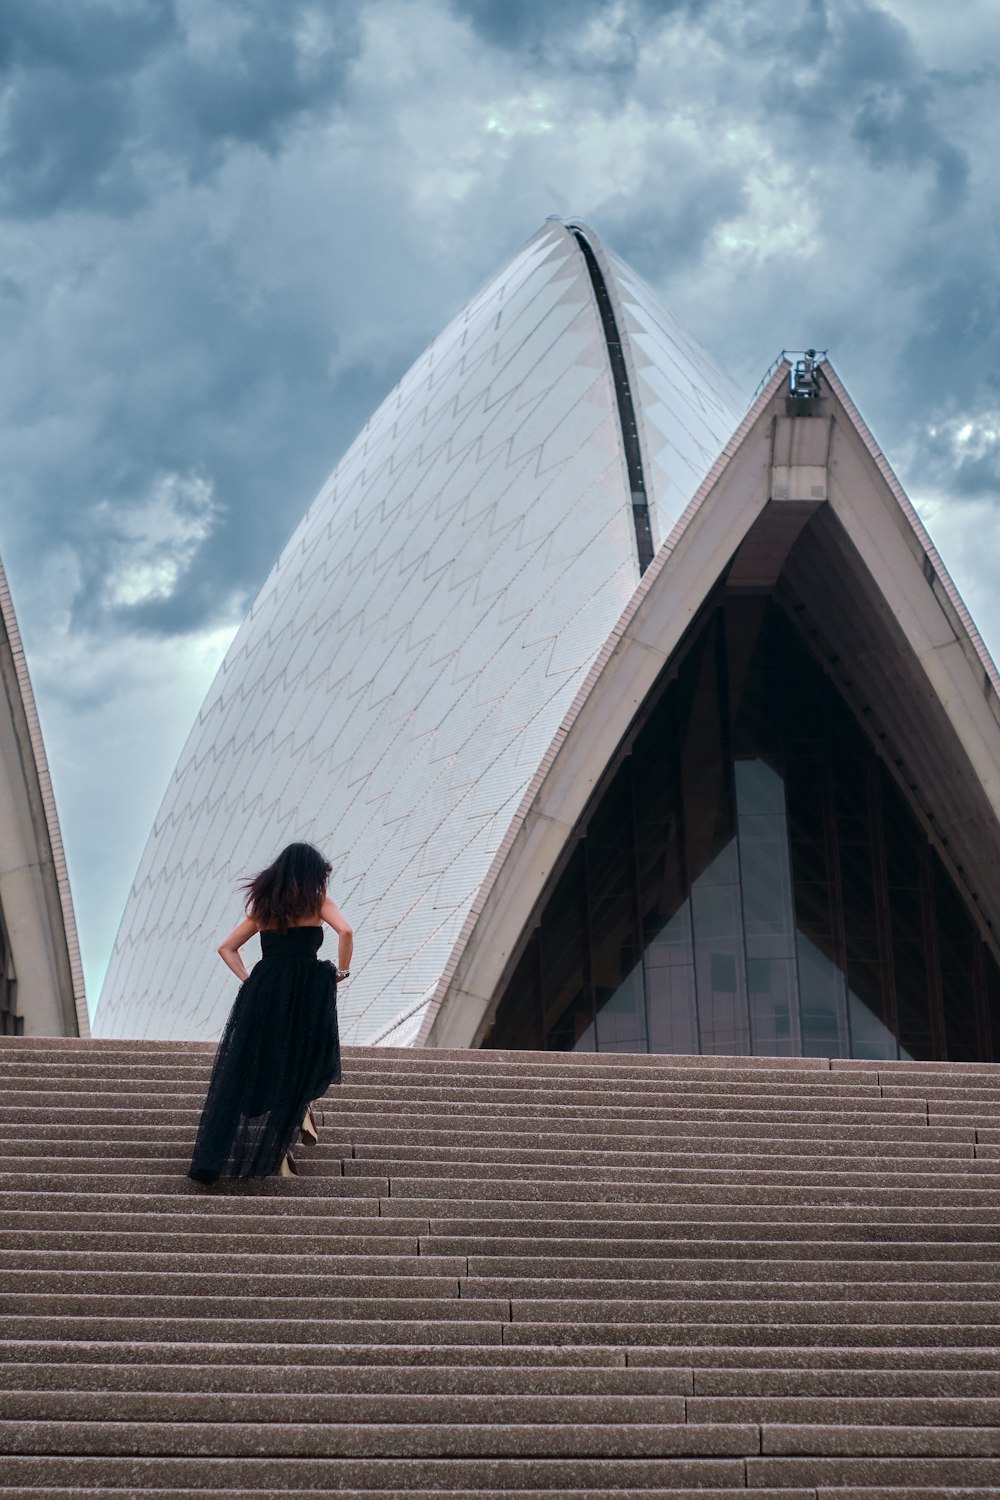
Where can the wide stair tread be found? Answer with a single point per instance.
(546, 1275)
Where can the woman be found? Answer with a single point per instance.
(280, 1049)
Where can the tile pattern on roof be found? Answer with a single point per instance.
(406, 664)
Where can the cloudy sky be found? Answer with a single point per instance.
(228, 226)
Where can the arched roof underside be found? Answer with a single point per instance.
(37, 908)
(419, 642)
(805, 506)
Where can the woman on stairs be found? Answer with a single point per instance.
(280, 1048)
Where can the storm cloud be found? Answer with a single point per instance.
(227, 229)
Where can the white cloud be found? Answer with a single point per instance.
(154, 542)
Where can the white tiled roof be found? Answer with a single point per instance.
(413, 652)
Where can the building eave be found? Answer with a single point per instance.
(51, 858)
(918, 600)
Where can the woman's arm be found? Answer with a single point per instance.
(332, 913)
(229, 948)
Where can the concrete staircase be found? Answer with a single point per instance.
(549, 1274)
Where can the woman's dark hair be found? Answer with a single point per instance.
(291, 888)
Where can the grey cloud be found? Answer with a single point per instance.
(97, 38)
(553, 35)
(668, 219)
(524, 25)
(950, 364)
(61, 146)
(857, 69)
(97, 99)
(260, 78)
(896, 127)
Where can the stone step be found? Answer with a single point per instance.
(380, 1062)
(974, 1163)
(167, 1259)
(258, 1223)
(451, 1196)
(405, 1329)
(77, 1180)
(600, 1272)
(523, 1084)
(159, 1157)
(441, 1352)
(484, 1380)
(424, 1475)
(771, 1262)
(325, 1439)
(858, 1330)
(265, 1307)
(717, 1329)
(258, 1408)
(846, 1411)
(125, 1048)
(889, 1384)
(868, 1098)
(158, 1109)
(374, 1381)
(341, 1127)
(924, 1360)
(79, 1248)
(822, 1354)
(790, 1310)
(284, 1285)
(280, 1284)
(497, 1137)
(902, 1478)
(716, 1156)
(624, 1442)
(463, 1063)
(245, 1207)
(781, 1244)
(572, 1493)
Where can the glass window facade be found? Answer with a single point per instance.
(753, 881)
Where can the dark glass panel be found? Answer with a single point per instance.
(518, 1022)
(720, 973)
(665, 910)
(768, 916)
(822, 991)
(867, 970)
(991, 979)
(905, 846)
(615, 953)
(568, 1000)
(670, 987)
(752, 879)
(710, 850)
(957, 941)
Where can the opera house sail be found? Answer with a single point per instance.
(629, 719)
(41, 974)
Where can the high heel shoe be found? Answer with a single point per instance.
(307, 1130)
(288, 1167)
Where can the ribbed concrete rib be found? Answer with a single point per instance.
(504, 1273)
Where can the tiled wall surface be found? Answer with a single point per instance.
(415, 647)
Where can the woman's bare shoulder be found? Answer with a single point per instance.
(331, 913)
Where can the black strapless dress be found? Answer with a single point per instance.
(280, 1050)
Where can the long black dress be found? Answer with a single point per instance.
(279, 1050)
